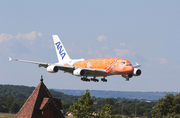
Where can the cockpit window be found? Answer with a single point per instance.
(122, 63)
(128, 65)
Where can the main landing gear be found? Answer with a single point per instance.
(94, 79)
(84, 78)
(103, 79)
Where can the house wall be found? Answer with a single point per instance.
(48, 112)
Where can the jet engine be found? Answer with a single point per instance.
(52, 69)
(136, 72)
(79, 72)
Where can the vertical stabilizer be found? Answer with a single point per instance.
(60, 50)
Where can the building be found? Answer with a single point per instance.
(41, 104)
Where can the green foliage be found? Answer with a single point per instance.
(82, 108)
(14, 108)
(101, 102)
(106, 112)
(9, 101)
(64, 97)
(65, 106)
(126, 106)
(167, 107)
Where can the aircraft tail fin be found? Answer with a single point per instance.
(60, 50)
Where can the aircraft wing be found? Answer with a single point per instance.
(89, 71)
(69, 69)
(94, 72)
(40, 64)
(137, 65)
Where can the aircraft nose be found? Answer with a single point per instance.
(130, 69)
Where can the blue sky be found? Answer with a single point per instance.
(147, 32)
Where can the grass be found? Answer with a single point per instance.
(7, 115)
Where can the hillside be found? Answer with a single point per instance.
(72, 95)
(23, 92)
(116, 94)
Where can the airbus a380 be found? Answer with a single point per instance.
(88, 67)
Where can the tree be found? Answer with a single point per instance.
(167, 107)
(82, 109)
(108, 101)
(106, 112)
(9, 101)
(14, 108)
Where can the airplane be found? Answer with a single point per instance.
(85, 68)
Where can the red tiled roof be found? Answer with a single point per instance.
(44, 103)
(36, 101)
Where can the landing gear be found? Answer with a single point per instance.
(103, 79)
(84, 78)
(127, 79)
(94, 79)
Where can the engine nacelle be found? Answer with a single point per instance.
(79, 72)
(52, 69)
(136, 72)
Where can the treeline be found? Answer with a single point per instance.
(87, 106)
(128, 107)
(115, 94)
(167, 107)
(13, 97)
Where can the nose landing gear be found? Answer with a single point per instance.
(127, 79)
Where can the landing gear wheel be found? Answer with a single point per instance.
(94, 79)
(103, 79)
(84, 78)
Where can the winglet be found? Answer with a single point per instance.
(10, 59)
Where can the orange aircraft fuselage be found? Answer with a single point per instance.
(111, 65)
